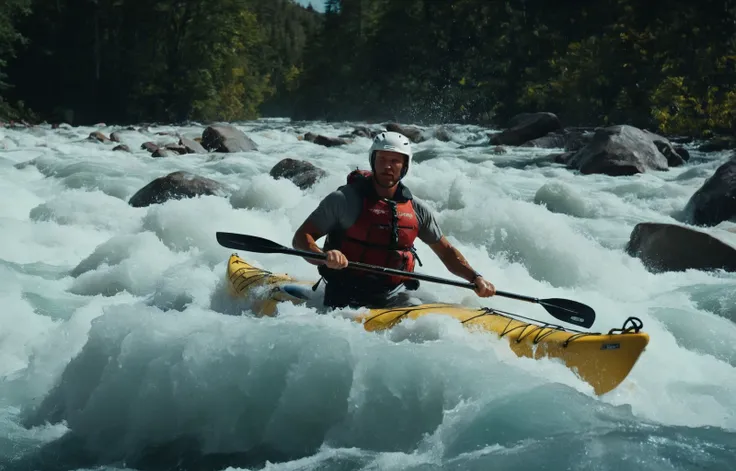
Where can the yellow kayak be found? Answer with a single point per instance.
(602, 360)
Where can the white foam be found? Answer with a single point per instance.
(125, 308)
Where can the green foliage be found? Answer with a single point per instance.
(475, 60)
(158, 60)
(669, 66)
(677, 110)
(10, 38)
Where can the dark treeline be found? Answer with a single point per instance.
(669, 66)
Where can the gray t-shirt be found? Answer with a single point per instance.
(341, 208)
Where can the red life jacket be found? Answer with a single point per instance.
(383, 235)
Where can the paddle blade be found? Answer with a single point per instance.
(248, 243)
(570, 311)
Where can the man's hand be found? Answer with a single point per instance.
(484, 288)
(336, 260)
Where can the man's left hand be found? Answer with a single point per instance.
(484, 288)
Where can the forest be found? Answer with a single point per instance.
(666, 66)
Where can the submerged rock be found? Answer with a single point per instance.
(225, 138)
(669, 247)
(192, 146)
(413, 133)
(176, 185)
(302, 173)
(619, 150)
(324, 140)
(715, 201)
(526, 127)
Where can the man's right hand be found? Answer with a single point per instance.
(336, 260)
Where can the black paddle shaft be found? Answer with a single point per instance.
(565, 310)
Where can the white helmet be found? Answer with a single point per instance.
(394, 142)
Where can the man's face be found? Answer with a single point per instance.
(388, 167)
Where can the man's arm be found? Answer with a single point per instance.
(431, 234)
(453, 259)
(324, 218)
(305, 238)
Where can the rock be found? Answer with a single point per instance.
(526, 127)
(550, 141)
(149, 146)
(116, 137)
(192, 146)
(683, 153)
(161, 152)
(499, 150)
(570, 140)
(665, 147)
(302, 173)
(122, 147)
(324, 140)
(362, 131)
(225, 138)
(176, 185)
(518, 119)
(619, 150)
(718, 144)
(668, 247)
(715, 201)
(413, 133)
(563, 158)
(177, 148)
(576, 140)
(442, 134)
(98, 136)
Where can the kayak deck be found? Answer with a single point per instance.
(602, 360)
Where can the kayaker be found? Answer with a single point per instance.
(375, 219)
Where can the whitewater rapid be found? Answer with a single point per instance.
(120, 349)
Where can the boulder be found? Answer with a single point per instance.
(413, 133)
(324, 140)
(161, 152)
(149, 146)
(576, 140)
(226, 138)
(564, 139)
(550, 141)
(176, 185)
(362, 131)
(177, 148)
(718, 144)
(302, 173)
(715, 201)
(665, 147)
(526, 127)
(669, 247)
(192, 146)
(98, 136)
(442, 134)
(684, 154)
(619, 150)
